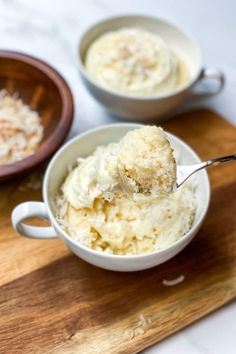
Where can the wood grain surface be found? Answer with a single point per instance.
(53, 302)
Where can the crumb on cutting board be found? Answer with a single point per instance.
(173, 282)
(142, 326)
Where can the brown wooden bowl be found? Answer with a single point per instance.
(44, 90)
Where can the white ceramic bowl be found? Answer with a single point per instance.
(83, 145)
(148, 107)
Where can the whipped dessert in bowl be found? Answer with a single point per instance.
(141, 67)
(96, 209)
(135, 61)
(146, 163)
(113, 229)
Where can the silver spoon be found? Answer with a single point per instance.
(184, 172)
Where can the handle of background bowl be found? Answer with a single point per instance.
(212, 74)
(27, 210)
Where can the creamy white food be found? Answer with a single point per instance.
(95, 211)
(126, 226)
(135, 62)
(147, 162)
(141, 163)
(95, 177)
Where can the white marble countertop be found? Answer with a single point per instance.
(49, 29)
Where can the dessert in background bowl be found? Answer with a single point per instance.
(36, 113)
(133, 241)
(141, 67)
(134, 61)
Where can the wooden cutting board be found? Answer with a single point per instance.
(53, 302)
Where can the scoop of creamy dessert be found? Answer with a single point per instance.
(135, 62)
(146, 163)
(141, 163)
(94, 210)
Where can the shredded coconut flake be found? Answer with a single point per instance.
(173, 282)
(20, 129)
(141, 328)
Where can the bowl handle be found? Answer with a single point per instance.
(27, 210)
(209, 74)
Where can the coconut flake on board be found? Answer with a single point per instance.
(173, 282)
(141, 327)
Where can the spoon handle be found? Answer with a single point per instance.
(218, 160)
(184, 172)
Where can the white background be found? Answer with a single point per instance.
(50, 29)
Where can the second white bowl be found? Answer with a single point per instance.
(148, 107)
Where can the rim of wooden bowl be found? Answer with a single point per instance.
(59, 134)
